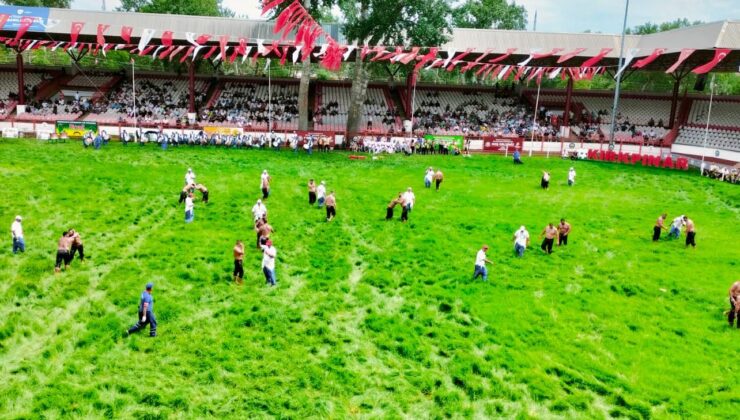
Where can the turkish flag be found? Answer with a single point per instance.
(203, 39)
(685, 53)
(126, 33)
(167, 38)
(210, 52)
(76, 29)
(649, 59)
(565, 57)
(431, 55)
(595, 59)
(458, 58)
(222, 41)
(547, 54)
(500, 58)
(26, 22)
(719, 55)
(101, 30)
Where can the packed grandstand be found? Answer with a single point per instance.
(511, 107)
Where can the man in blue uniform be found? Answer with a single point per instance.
(146, 313)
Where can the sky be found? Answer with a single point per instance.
(559, 15)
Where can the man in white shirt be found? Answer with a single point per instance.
(265, 184)
(571, 177)
(189, 208)
(16, 229)
(521, 241)
(259, 210)
(676, 226)
(428, 177)
(321, 193)
(480, 264)
(268, 262)
(409, 198)
(189, 177)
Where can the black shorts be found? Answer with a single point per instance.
(239, 268)
(545, 184)
(330, 211)
(311, 197)
(389, 213)
(63, 256)
(656, 233)
(691, 238)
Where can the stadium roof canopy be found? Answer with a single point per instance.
(703, 38)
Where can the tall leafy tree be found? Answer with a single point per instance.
(394, 23)
(62, 4)
(651, 28)
(177, 7)
(488, 14)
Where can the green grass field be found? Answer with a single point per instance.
(370, 319)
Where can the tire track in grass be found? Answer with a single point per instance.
(29, 349)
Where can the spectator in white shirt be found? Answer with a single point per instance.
(545, 182)
(571, 176)
(268, 262)
(521, 241)
(480, 264)
(16, 229)
(428, 177)
(259, 211)
(321, 193)
(676, 226)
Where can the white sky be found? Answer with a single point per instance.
(559, 15)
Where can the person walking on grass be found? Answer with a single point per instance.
(428, 177)
(204, 191)
(690, 232)
(391, 205)
(734, 312)
(311, 192)
(480, 264)
(571, 177)
(238, 262)
(190, 177)
(563, 232)
(189, 208)
(545, 181)
(77, 246)
(265, 184)
(659, 225)
(264, 230)
(146, 313)
(187, 189)
(16, 231)
(438, 178)
(521, 241)
(549, 233)
(259, 211)
(63, 246)
(321, 193)
(268, 262)
(331, 206)
(676, 226)
(409, 199)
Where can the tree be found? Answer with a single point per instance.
(62, 4)
(651, 28)
(177, 7)
(393, 23)
(487, 14)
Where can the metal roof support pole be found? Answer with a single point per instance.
(709, 119)
(568, 100)
(191, 86)
(21, 81)
(674, 101)
(619, 74)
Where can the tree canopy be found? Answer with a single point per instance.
(489, 14)
(651, 28)
(177, 7)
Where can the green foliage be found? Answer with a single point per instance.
(62, 4)
(651, 28)
(486, 14)
(371, 319)
(177, 7)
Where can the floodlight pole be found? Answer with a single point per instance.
(709, 117)
(269, 99)
(619, 74)
(413, 104)
(534, 118)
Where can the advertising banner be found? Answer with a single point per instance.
(76, 129)
(41, 15)
(438, 138)
(224, 131)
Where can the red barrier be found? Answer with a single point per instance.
(635, 158)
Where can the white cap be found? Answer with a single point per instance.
(522, 228)
(18, 218)
(322, 182)
(259, 201)
(190, 169)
